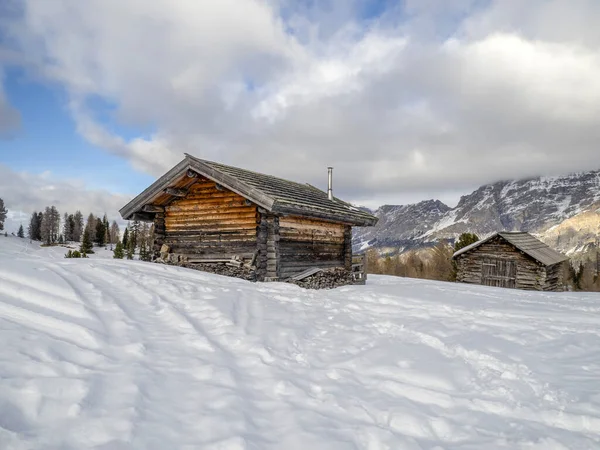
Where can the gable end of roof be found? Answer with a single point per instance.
(275, 195)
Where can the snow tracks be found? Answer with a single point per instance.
(109, 354)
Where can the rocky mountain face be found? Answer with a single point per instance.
(562, 211)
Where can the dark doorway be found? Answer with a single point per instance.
(499, 272)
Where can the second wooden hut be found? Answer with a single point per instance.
(512, 260)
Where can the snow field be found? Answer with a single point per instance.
(112, 354)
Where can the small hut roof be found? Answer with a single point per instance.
(276, 195)
(524, 242)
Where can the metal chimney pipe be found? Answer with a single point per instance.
(330, 183)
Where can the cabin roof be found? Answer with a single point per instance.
(274, 194)
(524, 242)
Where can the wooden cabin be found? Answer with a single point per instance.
(511, 260)
(206, 212)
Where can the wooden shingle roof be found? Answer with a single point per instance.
(276, 195)
(524, 242)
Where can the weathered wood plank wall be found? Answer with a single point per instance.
(306, 243)
(530, 274)
(210, 222)
(554, 278)
(159, 233)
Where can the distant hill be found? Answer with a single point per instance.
(562, 211)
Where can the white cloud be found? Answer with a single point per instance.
(507, 90)
(25, 192)
(559, 81)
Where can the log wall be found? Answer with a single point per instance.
(554, 278)
(307, 243)
(268, 247)
(530, 274)
(210, 223)
(159, 233)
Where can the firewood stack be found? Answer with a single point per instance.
(325, 279)
(227, 269)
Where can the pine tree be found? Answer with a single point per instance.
(118, 253)
(130, 249)
(106, 229)
(86, 244)
(90, 227)
(32, 230)
(126, 238)
(40, 217)
(134, 234)
(21, 232)
(464, 240)
(46, 227)
(100, 233)
(66, 226)
(69, 227)
(50, 225)
(55, 224)
(144, 253)
(77, 226)
(3, 212)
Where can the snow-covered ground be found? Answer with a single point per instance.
(112, 354)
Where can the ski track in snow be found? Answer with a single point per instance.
(109, 354)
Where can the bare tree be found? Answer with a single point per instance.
(441, 262)
(114, 232)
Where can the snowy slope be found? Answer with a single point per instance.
(109, 354)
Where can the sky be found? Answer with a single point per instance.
(408, 100)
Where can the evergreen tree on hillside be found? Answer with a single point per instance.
(130, 249)
(50, 225)
(126, 238)
(90, 227)
(86, 244)
(106, 230)
(21, 232)
(464, 240)
(134, 233)
(40, 218)
(55, 225)
(145, 254)
(3, 212)
(69, 227)
(118, 253)
(65, 224)
(33, 231)
(100, 233)
(77, 226)
(46, 227)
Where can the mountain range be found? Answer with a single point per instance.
(563, 211)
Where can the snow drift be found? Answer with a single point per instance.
(111, 354)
